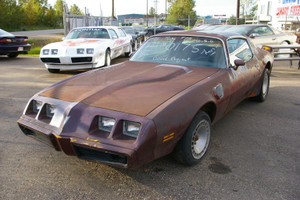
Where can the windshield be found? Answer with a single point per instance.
(88, 33)
(190, 51)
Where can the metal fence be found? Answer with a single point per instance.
(74, 21)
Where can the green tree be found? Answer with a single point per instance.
(75, 10)
(248, 8)
(59, 11)
(180, 11)
(151, 12)
(11, 14)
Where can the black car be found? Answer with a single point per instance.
(162, 28)
(12, 45)
(137, 39)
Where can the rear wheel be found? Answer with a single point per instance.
(12, 55)
(53, 70)
(193, 145)
(150, 33)
(264, 90)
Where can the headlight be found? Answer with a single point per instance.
(90, 51)
(36, 106)
(131, 128)
(54, 51)
(80, 51)
(106, 123)
(45, 51)
(50, 110)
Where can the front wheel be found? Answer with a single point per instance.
(127, 54)
(264, 90)
(194, 143)
(107, 58)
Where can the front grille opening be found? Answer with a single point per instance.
(97, 155)
(81, 59)
(50, 60)
(36, 135)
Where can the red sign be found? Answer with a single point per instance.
(282, 11)
(295, 10)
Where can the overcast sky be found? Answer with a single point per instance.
(203, 7)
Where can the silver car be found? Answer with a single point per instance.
(263, 34)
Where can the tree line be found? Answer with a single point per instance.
(31, 14)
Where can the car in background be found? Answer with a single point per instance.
(12, 45)
(140, 31)
(162, 28)
(137, 39)
(86, 48)
(163, 100)
(263, 34)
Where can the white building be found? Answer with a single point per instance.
(282, 14)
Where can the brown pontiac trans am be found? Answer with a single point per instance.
(163, 100)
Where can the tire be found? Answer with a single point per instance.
(12, 55)
(194, 143)
(284, 43)
(264, 89)
(107, 58)
(150, 33)
(127, 54)
(135, 45)
(53, 70)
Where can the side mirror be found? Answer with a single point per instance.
(237, 63)
(253, 35)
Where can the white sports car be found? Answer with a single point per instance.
(86, 48)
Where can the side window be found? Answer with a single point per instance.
(262, 31)
(113, 34)
(239, 49)
(122, 33)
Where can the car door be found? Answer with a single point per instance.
(242, 77)
(116, 48)
(264, 35)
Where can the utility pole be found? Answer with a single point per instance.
(147, 13)
(237, 19)
(166, 9)
(113, 10)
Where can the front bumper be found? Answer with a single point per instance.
(91, 145)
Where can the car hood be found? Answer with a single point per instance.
(130, 87)
(77, 43)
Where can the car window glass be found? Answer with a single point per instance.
(88, 33)
(4, 33)
(129, 30)
(262, 31)
(190, 51)
(122, 33)
(239, 49)
(113, 34)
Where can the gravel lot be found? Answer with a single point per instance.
(254, 152)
